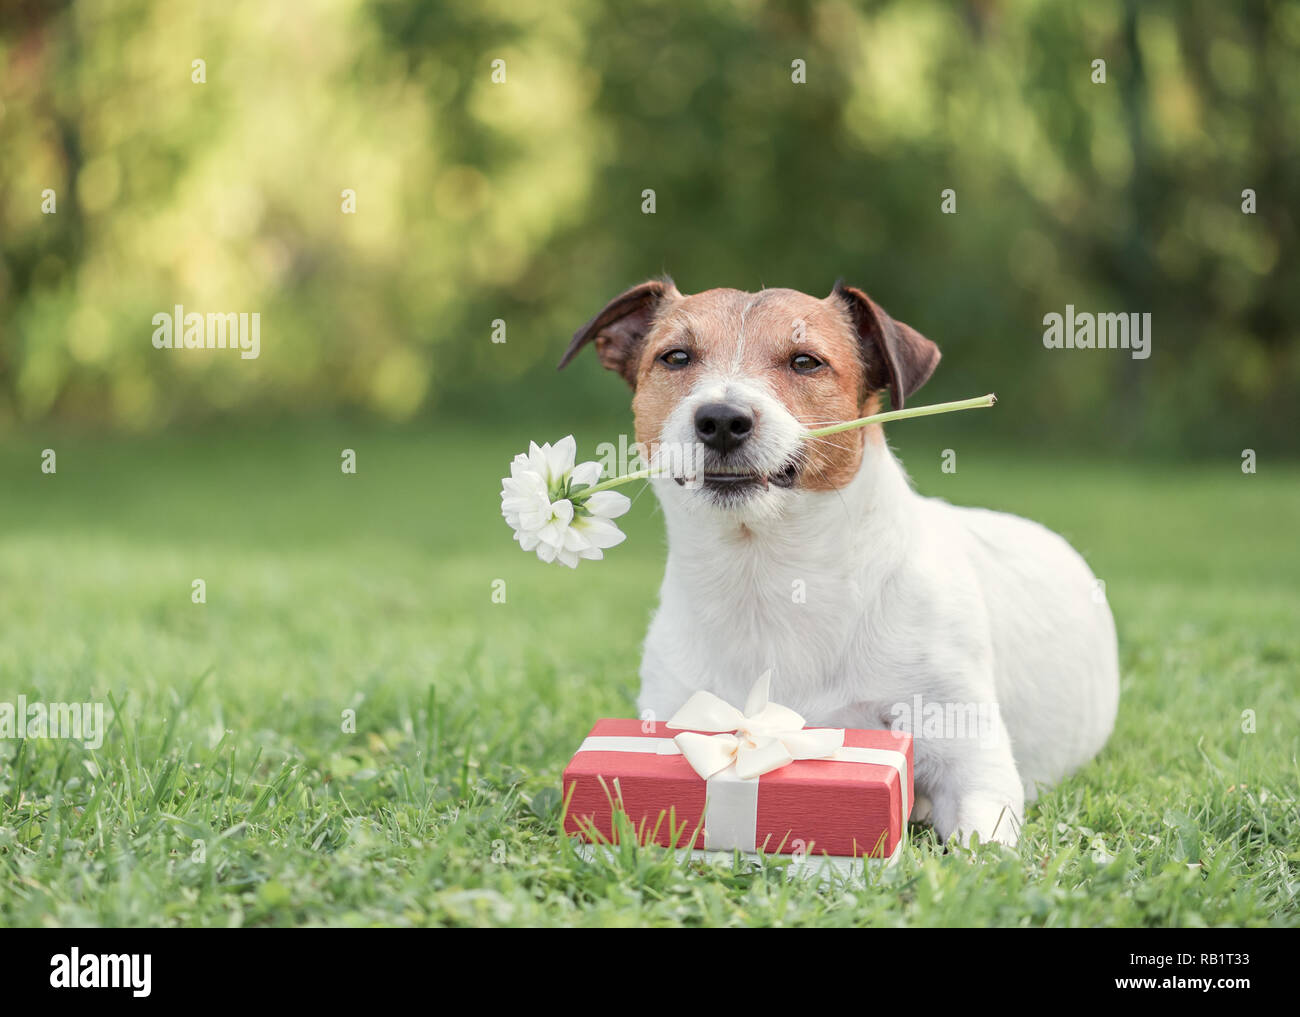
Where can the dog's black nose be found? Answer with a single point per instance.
(723, 426)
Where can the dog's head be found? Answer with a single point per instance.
(742, 375)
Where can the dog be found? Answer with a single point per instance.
(816, 559)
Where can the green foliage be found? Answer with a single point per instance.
(372, 592)
(521, 201)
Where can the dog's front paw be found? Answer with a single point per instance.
(993, 819)
(990, 816)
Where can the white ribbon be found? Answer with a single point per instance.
(762, 738)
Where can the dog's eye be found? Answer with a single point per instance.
(805, 363)
(676, 358)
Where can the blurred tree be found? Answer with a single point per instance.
(499, 152)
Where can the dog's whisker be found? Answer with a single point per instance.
(832, 444)
(640, 491)
(817, 423)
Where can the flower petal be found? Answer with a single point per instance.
(575, 540)
(559, 459)
(587, 473)
(609, 504)
(562, 511)
(600, 532)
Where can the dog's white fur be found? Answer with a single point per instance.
(904, 596)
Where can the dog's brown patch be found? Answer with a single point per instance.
(761, 333)
(699, 324)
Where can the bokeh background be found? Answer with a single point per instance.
(521, 200)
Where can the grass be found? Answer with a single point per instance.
(227, 791)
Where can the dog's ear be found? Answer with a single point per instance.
(896, 355)
(619, 330)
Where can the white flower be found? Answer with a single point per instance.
(549, 516)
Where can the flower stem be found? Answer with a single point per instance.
(980, 402)
(615, 482)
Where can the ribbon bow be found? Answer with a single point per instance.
(763, 738)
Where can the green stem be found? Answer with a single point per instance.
(626, 479)
(980, 402)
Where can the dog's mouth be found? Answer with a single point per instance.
(737, 479)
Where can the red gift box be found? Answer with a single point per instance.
(854, 804)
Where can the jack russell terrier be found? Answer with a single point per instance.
(816, 559)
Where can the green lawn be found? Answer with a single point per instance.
(227, 793)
